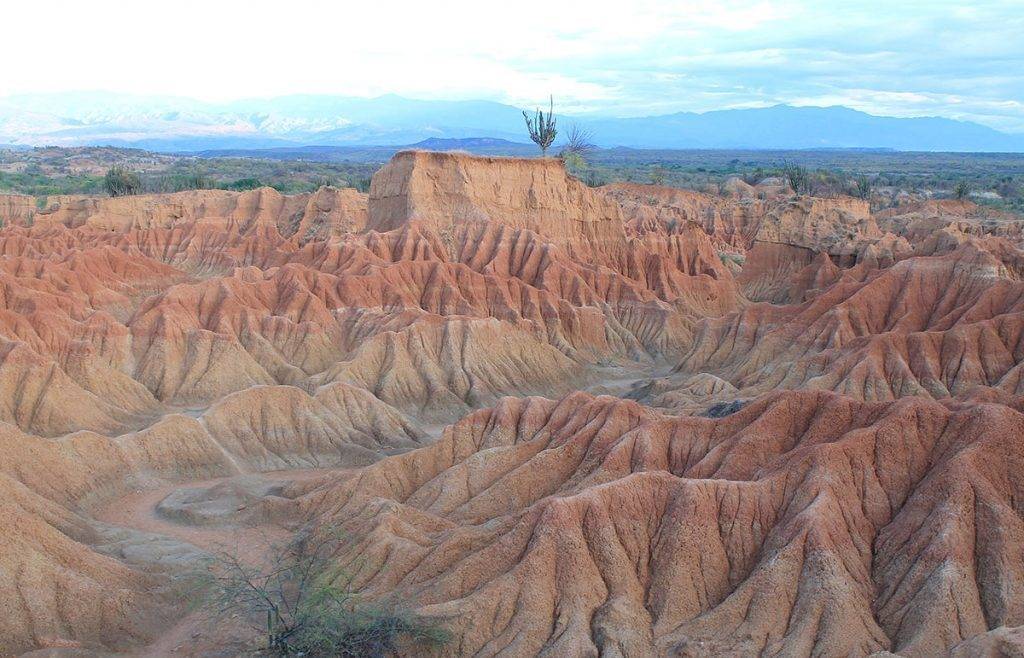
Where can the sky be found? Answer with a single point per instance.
(898, 57)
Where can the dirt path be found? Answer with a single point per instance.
(192, 634)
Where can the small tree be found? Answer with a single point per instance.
(121, 182)
(962, 190)
(542, 128)
(305, 606)
(324, 181)
(244, 184)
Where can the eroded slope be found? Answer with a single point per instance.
(860, 494)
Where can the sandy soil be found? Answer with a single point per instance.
(193, 634)
(223, 524)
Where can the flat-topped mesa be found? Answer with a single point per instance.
(442, 190)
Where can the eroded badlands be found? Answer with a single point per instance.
(562, 421)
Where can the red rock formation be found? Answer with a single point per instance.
(860, 494)
(16, 209)
(804, 524)
(932, 326)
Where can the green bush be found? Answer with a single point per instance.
(304, 606)
(362, 183)
(121, 182)
(329, 626)
(243, 184)
(862, 188)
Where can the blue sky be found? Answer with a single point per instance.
(626, 59)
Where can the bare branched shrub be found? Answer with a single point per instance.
(574, 154)
(305, 606)
(579, 141)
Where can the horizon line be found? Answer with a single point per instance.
(594, 114)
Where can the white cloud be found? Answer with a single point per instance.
(633, 58)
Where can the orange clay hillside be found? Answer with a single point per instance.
(556, 420)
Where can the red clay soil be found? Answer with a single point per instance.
(824, 458)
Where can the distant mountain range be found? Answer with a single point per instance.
(378, 153)
(178, 124)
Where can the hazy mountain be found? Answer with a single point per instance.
(787, 127)
(177, 124)
(377, 153)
